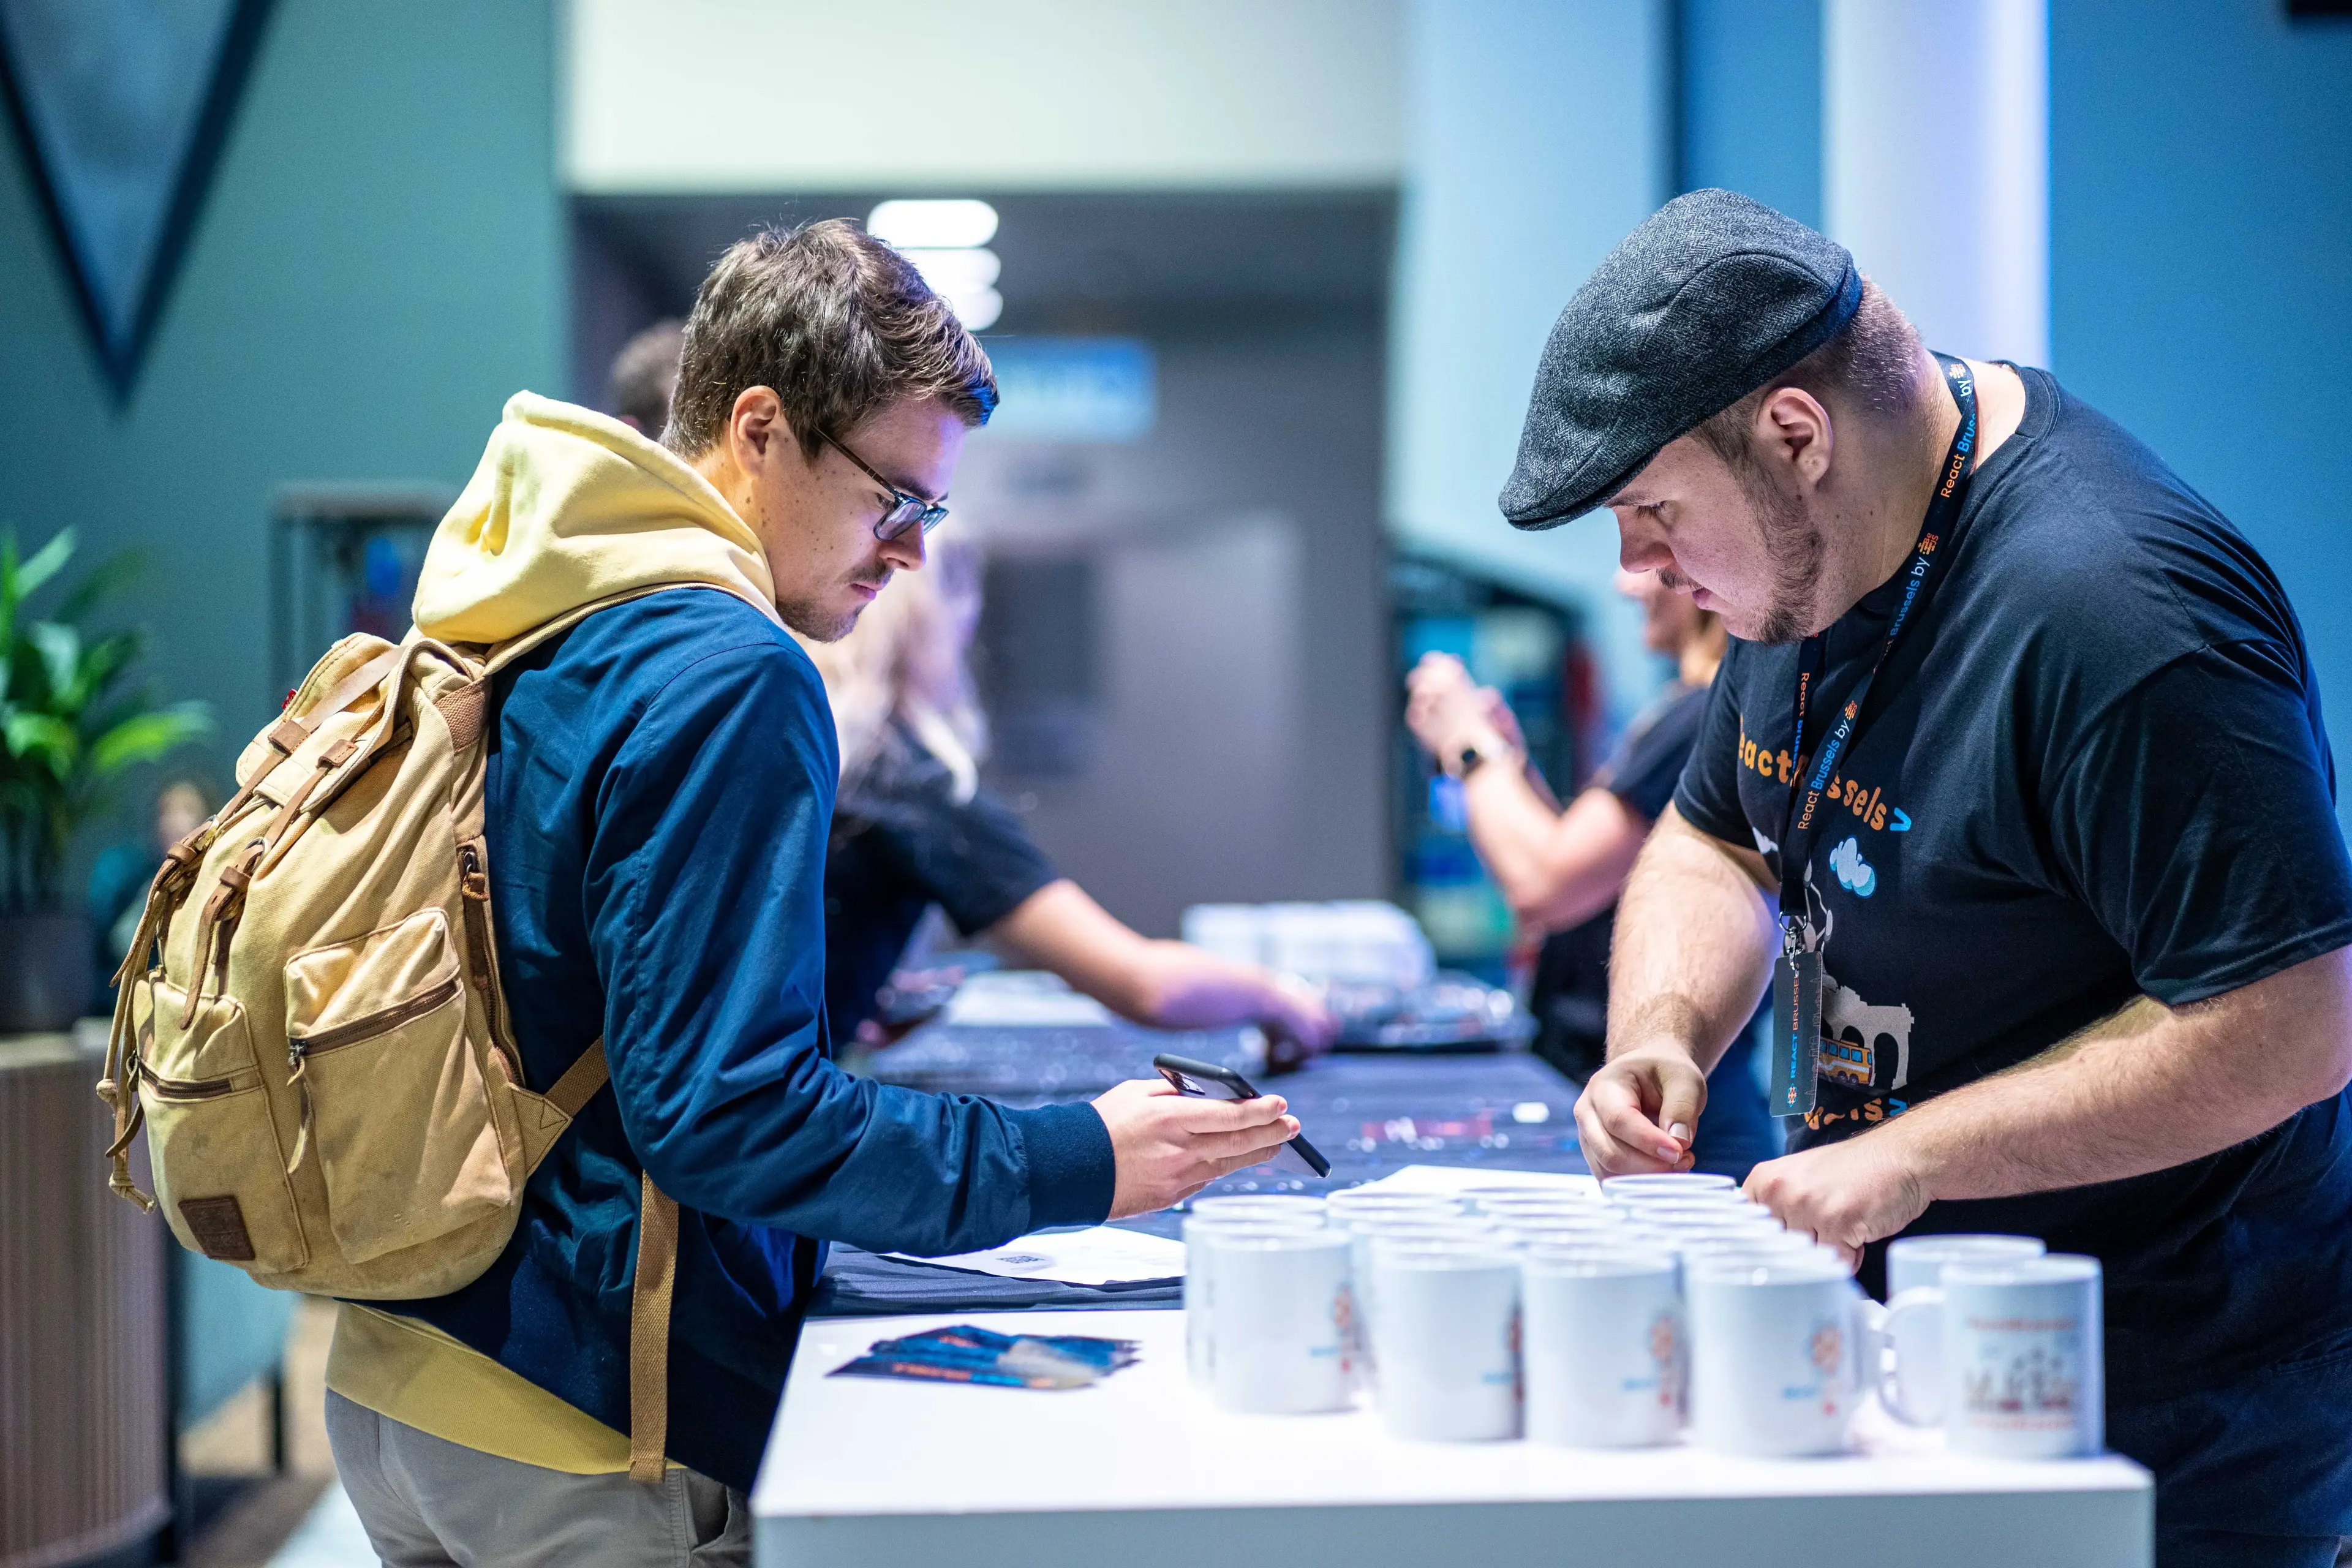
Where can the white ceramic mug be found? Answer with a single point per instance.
(1447, 1341)
(1491, 1193)
(1547, 1229)
(1269, 1205)
(1603, 1348)
(1355, 1200)
(1679, 1182)
(1434, 1230)
(1919, 1261)
(1680, 1218)
(1777, 1345)
(1546, 1209)
(1771, 1244)
(1281, 1316)
(2007, 1355)
(1200, 1274)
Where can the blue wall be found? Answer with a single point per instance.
(381, 263)
(2202, 269)
(1751, 100)
(1536, 137)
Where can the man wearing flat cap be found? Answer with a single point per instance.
(2013, 786)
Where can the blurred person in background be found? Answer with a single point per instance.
(118, 881)
(645, 377)
(1561, 871)
(914, 829)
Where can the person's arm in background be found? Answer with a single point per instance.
(705, 913)
(1555, 869)
(1167, 984)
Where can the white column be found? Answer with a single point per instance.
(1535, 140)
(1935, 164)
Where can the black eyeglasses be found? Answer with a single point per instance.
(906, 510)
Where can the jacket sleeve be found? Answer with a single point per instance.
(705, 908)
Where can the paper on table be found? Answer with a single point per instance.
(1016, 1000)
(1103, 1255)
(1462, 1178)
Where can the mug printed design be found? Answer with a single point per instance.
(1827, 1350)
(2035, 1385)
(1666, 1350)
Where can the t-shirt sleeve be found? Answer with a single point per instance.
(1708, 793)
(704, 900)
(1648, 764)
(2197, 819)
(972, 856)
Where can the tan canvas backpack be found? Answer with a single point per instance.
(310, 1024)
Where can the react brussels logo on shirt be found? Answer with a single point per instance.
(1854, 873)
(1866, 802)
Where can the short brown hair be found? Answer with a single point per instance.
(833, 321)
(1872, 365)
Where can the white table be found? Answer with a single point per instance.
(1143, 1472)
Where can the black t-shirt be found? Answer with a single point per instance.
(1569, 996)
(902, 842)
(2098, 768)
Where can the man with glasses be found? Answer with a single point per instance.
(659, 792)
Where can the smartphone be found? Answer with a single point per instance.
(1206, 1080)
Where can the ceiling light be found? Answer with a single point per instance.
(932, 225)
(978, 310)
(956, 271)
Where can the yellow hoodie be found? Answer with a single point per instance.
(567, 507)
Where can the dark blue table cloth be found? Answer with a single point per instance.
(1370, 1115)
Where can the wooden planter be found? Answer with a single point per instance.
(82, 1321)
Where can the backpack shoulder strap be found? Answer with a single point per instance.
(581, 1080)
(503, 654)
(649, 1302)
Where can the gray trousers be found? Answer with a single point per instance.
(431, 1503)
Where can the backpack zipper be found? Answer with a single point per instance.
(186, 1089)
(481, 955)
(299, 1047)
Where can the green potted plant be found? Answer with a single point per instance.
(68, 727)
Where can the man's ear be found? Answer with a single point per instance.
(1793, 433)
(756, 430)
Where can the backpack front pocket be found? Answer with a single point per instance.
(397, 1113)
(219, 1170)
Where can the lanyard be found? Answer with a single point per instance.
(1806, 813)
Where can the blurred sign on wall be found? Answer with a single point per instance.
(1075, 389)
(122, 106)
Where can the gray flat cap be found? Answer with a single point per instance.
(1711, 297)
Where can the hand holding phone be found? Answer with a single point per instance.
(1167, 1146)
(1207, 1080)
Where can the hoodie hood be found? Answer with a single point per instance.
(567, 507)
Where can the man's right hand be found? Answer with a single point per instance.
(1169, 1146)
(1636, 1113)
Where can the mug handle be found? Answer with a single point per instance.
(1911, 1384)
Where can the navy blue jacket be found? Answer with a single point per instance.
(660, 791)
